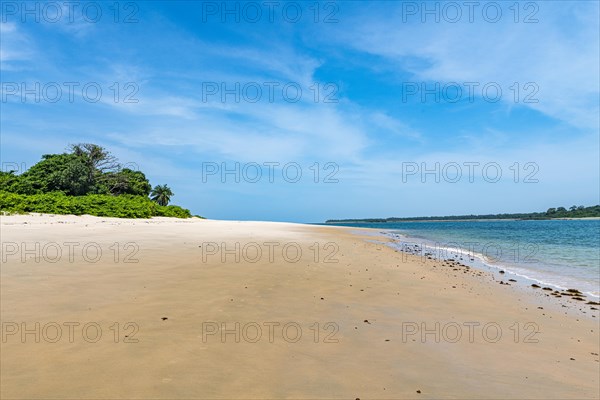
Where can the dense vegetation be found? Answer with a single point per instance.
(85, 180)
(560, 212)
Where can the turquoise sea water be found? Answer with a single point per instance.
(562, 253)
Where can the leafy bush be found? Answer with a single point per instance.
(124, 206)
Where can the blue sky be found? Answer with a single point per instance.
(399, 92)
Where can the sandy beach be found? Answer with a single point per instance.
(103, 308)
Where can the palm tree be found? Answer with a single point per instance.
(161, 194)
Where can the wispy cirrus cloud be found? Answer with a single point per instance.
(561, 60)
(16, 48)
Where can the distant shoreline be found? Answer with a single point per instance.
(333, 222)
(575, 212)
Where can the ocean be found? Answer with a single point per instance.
(560, 253)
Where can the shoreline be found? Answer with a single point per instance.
(459, 220)
(538, 276)
(375, 323)
(501, 274)
(459, 252)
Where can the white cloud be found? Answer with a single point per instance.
(258, 132)
(15, 47)
(393, 125)
(560, 54)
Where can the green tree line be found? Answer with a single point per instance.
(87, 179)
(559, 212)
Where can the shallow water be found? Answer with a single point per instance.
(561, 253)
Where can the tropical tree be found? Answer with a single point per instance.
(8, 181)
(126, 181)
(97, 160)
(161, 194)
(56, 172)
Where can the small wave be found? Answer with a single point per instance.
(478, 260)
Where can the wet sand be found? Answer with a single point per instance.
(201, 309)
